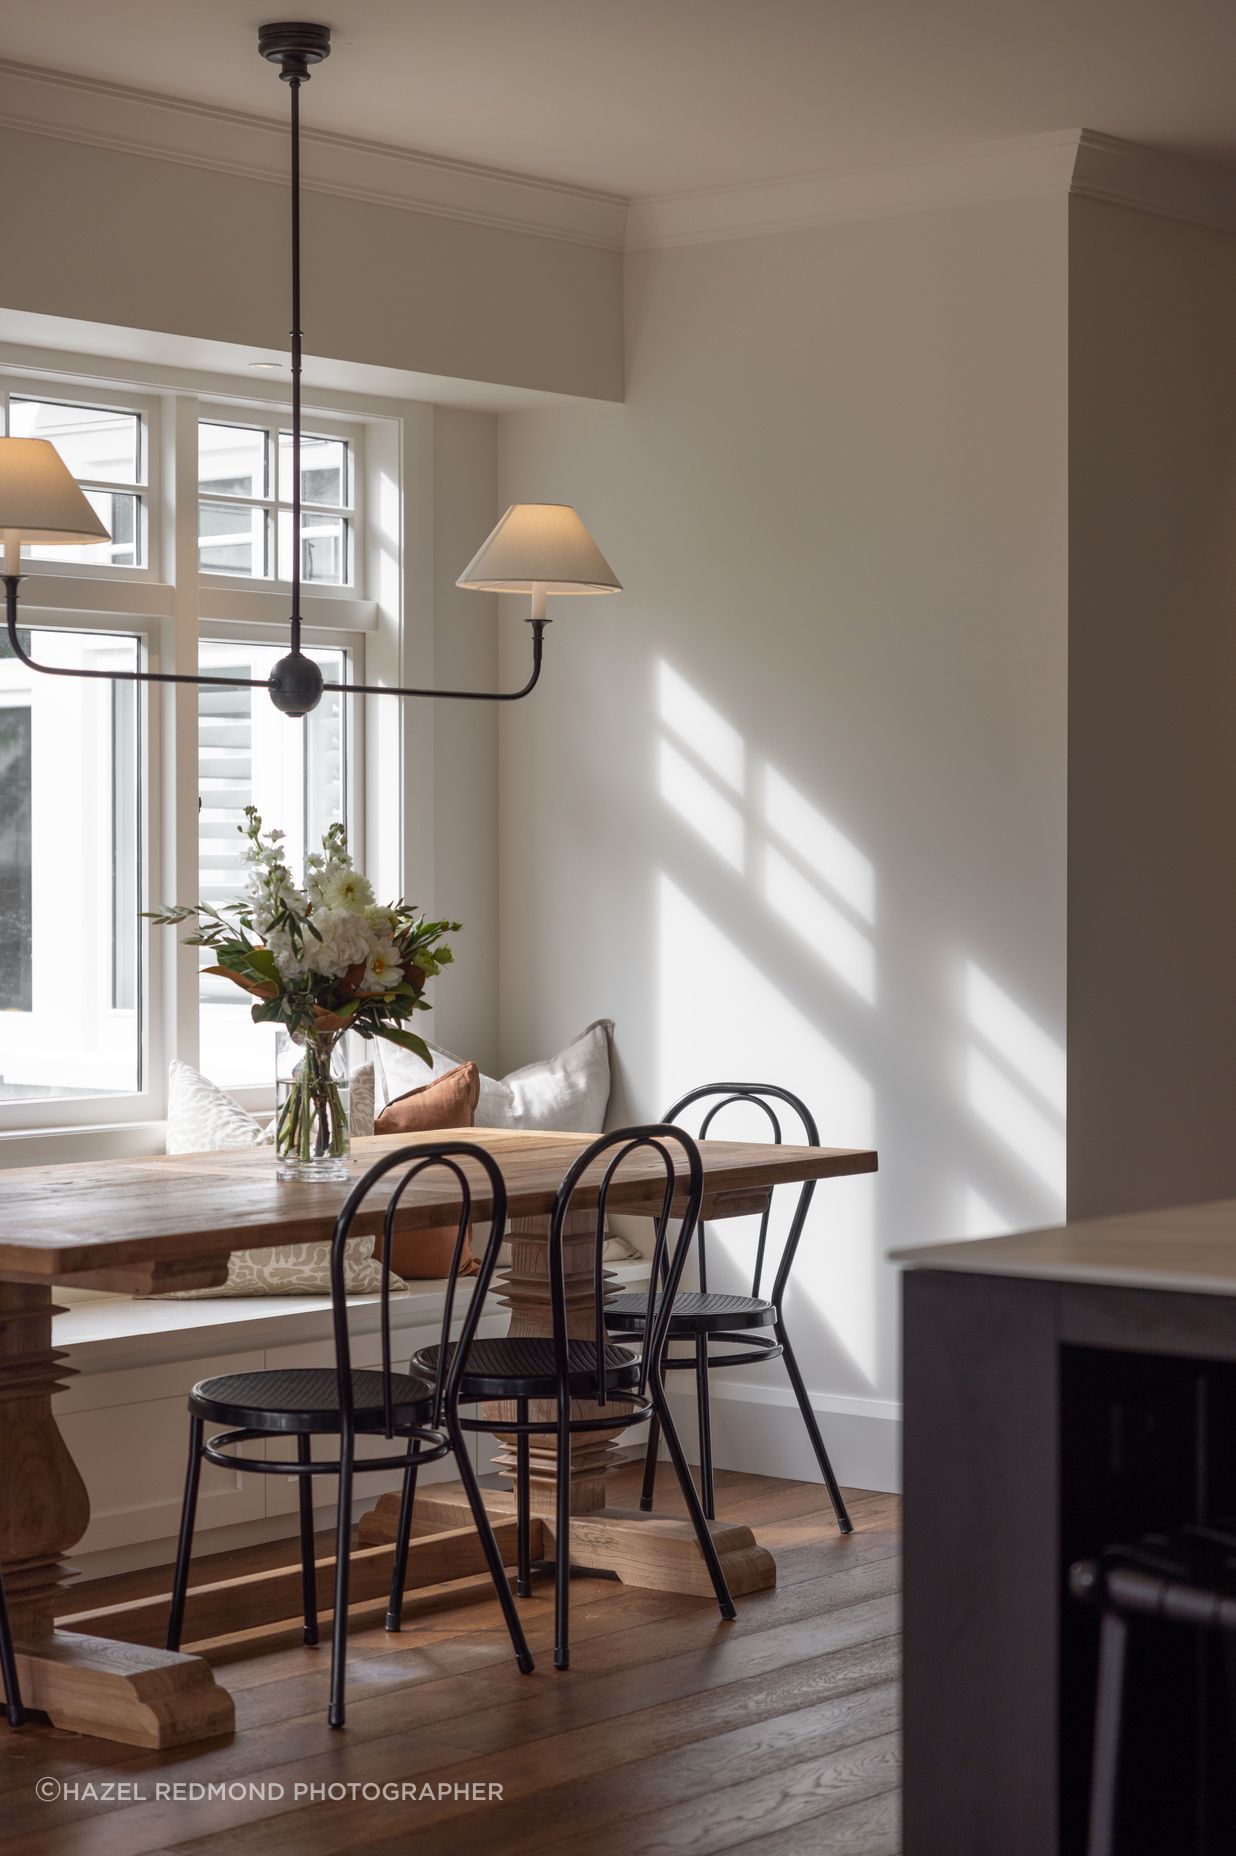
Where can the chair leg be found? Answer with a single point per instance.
(497, 1572)
(562, 1541)
(308, 1549)
(343, 1544)
(8, 1666)
(844, 1523)
(523, 1502)
(1109, 1709)
(699, 1521)
(184, 1548)
(707, 1494)
(399, 1570)
(650, 1465)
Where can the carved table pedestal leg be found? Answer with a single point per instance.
(120, 1691)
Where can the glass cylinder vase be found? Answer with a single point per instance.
(311, 1105)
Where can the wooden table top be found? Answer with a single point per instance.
(93, 1219)
(1187, 1248)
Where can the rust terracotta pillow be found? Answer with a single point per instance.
(449, 1102)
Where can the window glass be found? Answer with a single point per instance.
(295, 773)
(232, 460)
(232, 539)
(100, 447)
(70, 898)
(323, 470)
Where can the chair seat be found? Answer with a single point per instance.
(523, 1367)
(307, 1399)
(694, 1313)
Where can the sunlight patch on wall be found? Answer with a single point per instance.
(713, 740)
(817, 842)
(701, 805)
(830, 935)
(720, 1015)
(979, 1217)
(1013, 1035)
(1007, 1110)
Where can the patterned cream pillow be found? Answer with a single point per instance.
(202, 1118)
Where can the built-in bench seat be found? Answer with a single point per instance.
(123, 1414)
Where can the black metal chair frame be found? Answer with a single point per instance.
(433, 1432)
(13, 1708)
(645, 1397)
(702, 1360)
(1148, 1578)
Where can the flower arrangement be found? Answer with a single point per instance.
(319, 959)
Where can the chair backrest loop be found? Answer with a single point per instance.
(761, 1096)
(680, 1179)
(411, 1164)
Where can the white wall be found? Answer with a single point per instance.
(145, 243)
(1152, 727)
(794, 805)
(465, 656)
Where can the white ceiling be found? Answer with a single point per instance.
(654, 96)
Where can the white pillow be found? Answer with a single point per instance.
(569, 1091)
(201, 1119)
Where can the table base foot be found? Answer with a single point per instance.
(656, 1551)
(125, 1692)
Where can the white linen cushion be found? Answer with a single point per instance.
(569, 1091)
(202, 1118)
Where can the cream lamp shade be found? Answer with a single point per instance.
(40, 502)
(540, 548)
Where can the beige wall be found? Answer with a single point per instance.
(1152, 695)
(465, 735)
(102, 236)
(794, 805)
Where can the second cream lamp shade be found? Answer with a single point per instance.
(540, 548)
(40, 504)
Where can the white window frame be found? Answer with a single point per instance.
(315, 425)
(153, 1055)
(66, 393)
(169, 605)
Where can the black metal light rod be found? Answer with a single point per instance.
(296, 683)
(12, 581)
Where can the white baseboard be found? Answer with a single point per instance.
(759, 1429)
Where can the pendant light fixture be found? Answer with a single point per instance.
(537, 548)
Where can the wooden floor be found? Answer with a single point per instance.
(671, 1733)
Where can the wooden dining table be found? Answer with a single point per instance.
(151, 1225)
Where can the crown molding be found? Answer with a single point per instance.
(89, 110)
(1073, 161)
(140, 122)
(1126, 174)
(994, 171)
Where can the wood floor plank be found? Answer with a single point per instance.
(872, 1827)
(672, 1732)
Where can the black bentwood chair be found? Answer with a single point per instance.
(562, 1369)
(1186, 1579)
(341, 1402)
(8, 1665)
(730, 1320)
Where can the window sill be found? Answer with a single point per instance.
(133, 1140)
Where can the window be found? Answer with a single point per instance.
(105, 449)
(297, 777)
(101, 817)
(70, 894)
(245, 504)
